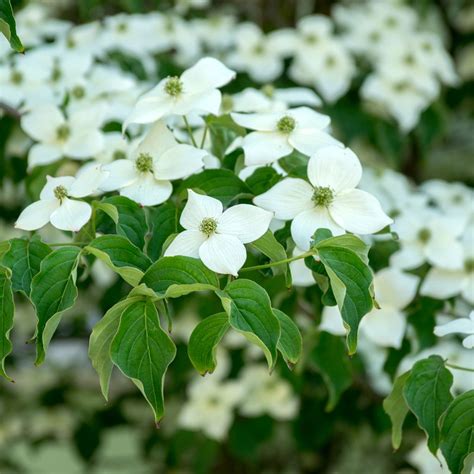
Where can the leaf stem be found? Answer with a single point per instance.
(63, 244)
(458, 367)
(204, 136)
(309, 253)
(190, 132)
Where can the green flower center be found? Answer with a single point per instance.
(311, 38)
(60, 192)
(323, 196)
(56, 74)
(208, 226)
(286, 124)
(122, 27)
(409, 59)
(78, 92)
(174, 86)
(374, 36)
(63, 132)
(70, 43)
(16, 77)
(424, 235)
(330, 61)
(469, 265)
(227, 102)
(401, 86)
(144, 163)
(268, 90)
(259, 49)
(391, 21)
(119, 155)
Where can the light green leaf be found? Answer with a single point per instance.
(290, 343)
(223, 131)
(143, 352)
(53, 290)
(262, 179)
(177, 276)
(204, 340)
(24, 259)
(8, 26)
(121, 256)
(427, 393)
(332, 362)
(348, 241)
(163, 222)
(249, 308)
(270, 247)
(397, 409)
(109, 209)
(101, 339)
(457, 432)
(4, 248)
(7, 308)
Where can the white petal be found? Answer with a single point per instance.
(48, 190)
(359, 212)
(309, 141)
(331, 321)
(395, 288)
(468, 342)
(43, 154)
(442, 284)
(244, 221)
(88, 180)
(460, 325)
(301, 275)
(179, 162)
(445, 252)
(306, 223)
(287, 199)
(147, 191)
(207, 73)
(121, 173)
(223, 254)
(157, 140)
(309, 118)
(197, 208)
(261, 148)
(42, 122)
(36, 215)
(468, 291)
(148, 110)
(385, 327)
(186, 243)
(84, 144)
(408, 257)
(71, 215)
(297, 96)
(262, 122)
(203, 102)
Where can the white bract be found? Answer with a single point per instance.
(78, 136)
(330, 201)
(57, 206)
(158, 159)
(459, 326)
(196, 90)
(215, 236)
(278, 134)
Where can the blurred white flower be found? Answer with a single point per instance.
(459, 326)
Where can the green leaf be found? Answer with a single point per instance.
(121, 256)
(204, 340)
(457, 431)
(397, 409)
(101, 339)
(131, 220)
(270, 247)
(332, 362)
(262, 179)
(295, 164)
(163, 222)
(348, 241)
(249, 308)
(220, 184)
(223, 131)
(4, 248)
(427, 393)
(7, 308)
(8, 26)
(108, 209)
(143, 352)
(177, 276)
(351, 283)
(24, 259)
(290, 343)
(53, 290)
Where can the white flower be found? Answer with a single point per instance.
(424, 461)
(78, 136)
(301, 275)
(55, 205)
(218, 237)
(330, 201)
(461, 326)
(196, 90)
(277, 134)
(158, 159)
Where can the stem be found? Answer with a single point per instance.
(63, 244)
(204, 136)
(190, 132)
(309, 253)
(458, 367)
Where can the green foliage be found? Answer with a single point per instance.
(53, 290)
(204, 340)
(163, 222)
(7, 308)
(8, 26)
(290, 343)
(262, 179)
(223, 131)
(143, 352)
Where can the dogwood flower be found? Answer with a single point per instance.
(146, 176)
(330, 201)
(215, 236)
(278, 134)
(57, 206)
(461, 326)
(196, 90)
(77, 136)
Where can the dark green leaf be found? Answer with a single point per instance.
(262, 179)
(163, 222)
(7, 309)
(8, 26)
(223, 131)
(295, 164)
(290, 343)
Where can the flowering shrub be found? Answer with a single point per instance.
(205, 217)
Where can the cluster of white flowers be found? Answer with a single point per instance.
(408, 65)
